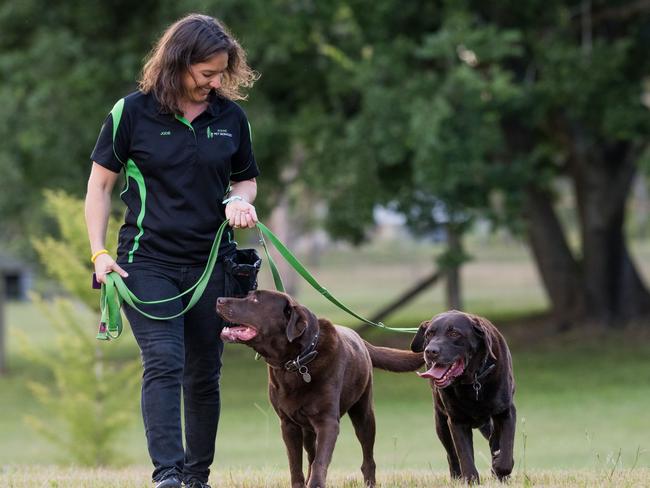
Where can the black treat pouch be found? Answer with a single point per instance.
(241, 272)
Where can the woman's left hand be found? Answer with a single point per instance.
(241, 214)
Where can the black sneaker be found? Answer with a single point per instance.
(169, 482)
(194, 483)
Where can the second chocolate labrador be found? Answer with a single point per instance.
(470, 372)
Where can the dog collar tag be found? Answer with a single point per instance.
(306, 377)
(477, 387)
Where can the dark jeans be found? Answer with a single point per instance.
(184, 352)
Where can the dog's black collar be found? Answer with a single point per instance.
(485, 369)
(304, 358)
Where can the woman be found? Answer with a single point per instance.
(182, 142)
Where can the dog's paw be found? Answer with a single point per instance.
(501, 468)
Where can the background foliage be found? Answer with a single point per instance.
(450, 112)
(90, 385)
(446, 111)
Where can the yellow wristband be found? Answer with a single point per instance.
(97, 254)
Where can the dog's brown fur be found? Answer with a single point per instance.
(341, 378)
(485, 403)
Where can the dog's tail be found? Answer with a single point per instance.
(395, 360)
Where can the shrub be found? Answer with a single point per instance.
(86, 399)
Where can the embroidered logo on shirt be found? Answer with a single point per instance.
(166, 133)
(219, 132)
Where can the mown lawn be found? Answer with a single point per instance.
(57, 477)
(582, 398)
(580, 406)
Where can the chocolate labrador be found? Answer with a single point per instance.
(470, 371)
(318, 371)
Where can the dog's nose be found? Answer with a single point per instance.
(221, 300)
(432, 351)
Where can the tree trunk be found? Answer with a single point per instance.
(3, 352)
(603, 180)
(557, 267)
(285, 221)
(452, 273)
(280, 222)
(555, 262)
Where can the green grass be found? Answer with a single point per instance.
(579, 406)
(56, 477)
(582, 406)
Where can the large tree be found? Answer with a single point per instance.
(445, 110)
(584, 66)
(476, 108)
(63, 66)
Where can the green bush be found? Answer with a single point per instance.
(86, 399)
(66, 257)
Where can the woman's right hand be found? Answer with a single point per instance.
(104, 264)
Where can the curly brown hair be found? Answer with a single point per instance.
(193, 39)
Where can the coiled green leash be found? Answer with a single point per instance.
(115, 291)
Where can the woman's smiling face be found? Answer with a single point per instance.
(204, 77)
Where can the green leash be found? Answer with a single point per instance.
(302, 271)
(114, 292)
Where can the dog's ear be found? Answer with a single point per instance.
(417, 344)
(297, 323)
(483, 328)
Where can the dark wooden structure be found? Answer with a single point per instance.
(15, 283)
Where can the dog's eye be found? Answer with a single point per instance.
(452, 333)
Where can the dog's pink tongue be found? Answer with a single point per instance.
(238, 333)
(435, 372)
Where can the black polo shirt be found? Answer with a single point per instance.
(177, 174)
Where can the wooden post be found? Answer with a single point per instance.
(3, 352)
(454, 246)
